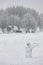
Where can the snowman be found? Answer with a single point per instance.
(28, 50)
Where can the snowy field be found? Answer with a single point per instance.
(13, 49)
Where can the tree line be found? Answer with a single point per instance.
(21, 17)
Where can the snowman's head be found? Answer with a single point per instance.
(28, 44)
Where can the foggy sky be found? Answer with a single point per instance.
(36, 4)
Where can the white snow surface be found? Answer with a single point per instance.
(13, 49)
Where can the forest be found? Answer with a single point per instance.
(21, 17)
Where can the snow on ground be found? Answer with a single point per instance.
(13, 49)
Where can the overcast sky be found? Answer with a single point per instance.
(36, 4)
